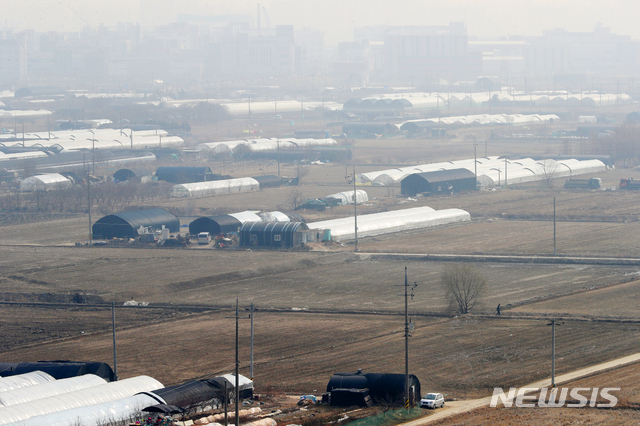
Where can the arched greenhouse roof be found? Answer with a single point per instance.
(25, 380)
(215, 225)
(126, 224)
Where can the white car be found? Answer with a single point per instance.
(432, 400)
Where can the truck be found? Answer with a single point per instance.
(629, 184)
(592, 183)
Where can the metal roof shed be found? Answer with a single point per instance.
(272, 234)
(454, 180)
(126, 224)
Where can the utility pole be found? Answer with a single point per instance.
(553, 324)
(251, 364)
(277, 136)
(408, 327)
(475, 158)
(554, 226)
(115, 356)
(89, 204)
(355, 209)
(237, 393)
(505, 172)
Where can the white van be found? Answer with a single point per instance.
(204, 238)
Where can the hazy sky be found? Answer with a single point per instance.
(337, 17)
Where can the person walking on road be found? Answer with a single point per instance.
(498, 310)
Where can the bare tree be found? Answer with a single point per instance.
(242, 152)
(549, 169)
(463, 287)
(295, 198)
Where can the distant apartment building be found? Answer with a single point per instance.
(599, 51)
(13, 61)
(428, 54)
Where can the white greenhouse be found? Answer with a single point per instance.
(347, 197)
(388, 222)
(47, 182)
(113, 412)
(214, 188)
(24, 380)
(90, 396)
(44, 390)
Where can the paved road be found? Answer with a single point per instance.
(457, 407)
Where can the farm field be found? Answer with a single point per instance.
(297, 352)
(283, 280)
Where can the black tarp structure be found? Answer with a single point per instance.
(164, 408)
(441, 181)
(383, 388)
(272, 234)
(268, 181)
(132, 175)
(192, 394)
(350, 398)
(180, 175)
(126, 224)
(215, 225)
(59, 369)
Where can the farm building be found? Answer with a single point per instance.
(48, 182)
(364, 130)
(273, 234)
(442, 181)
(126, 224)
(57, 369)
(383, 388)
(25, 380)
(102, 393)
(214, 188)
(389, 222)
(231, 223)
(344, 198)
(132, 175)
(184, 174)
(268, 181)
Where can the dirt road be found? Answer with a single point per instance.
(458, 407)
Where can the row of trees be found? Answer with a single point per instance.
(107, 197)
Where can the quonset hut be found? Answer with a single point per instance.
(126, 224)
(273, 234)
(131, 175)
(442, 181)
(383, 388)
(58, 369)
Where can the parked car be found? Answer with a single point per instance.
(432, 400)
(204, 238)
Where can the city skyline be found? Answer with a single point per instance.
(337, 19)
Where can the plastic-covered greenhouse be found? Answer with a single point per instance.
(214, 188)
(392, 221)
(44, 390)
(491, 170)
(112, 412)
(47, 182)
(90, 396)
(24, 380)
(346, 197)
